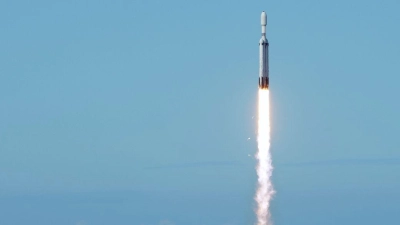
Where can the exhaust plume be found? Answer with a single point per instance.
(265, 190)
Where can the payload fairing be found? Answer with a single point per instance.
(263, 80)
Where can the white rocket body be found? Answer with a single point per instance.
(263, 80)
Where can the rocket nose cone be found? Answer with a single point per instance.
(263, 19)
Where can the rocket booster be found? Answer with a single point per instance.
(263, 79)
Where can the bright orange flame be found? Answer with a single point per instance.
(265, 189)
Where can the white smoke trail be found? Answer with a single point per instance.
(265, 190)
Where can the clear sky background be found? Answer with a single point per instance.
(139, 112)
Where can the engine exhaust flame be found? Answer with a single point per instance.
(265, 189)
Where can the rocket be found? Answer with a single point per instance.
(263, 79)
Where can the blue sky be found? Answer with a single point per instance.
(139, 112)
